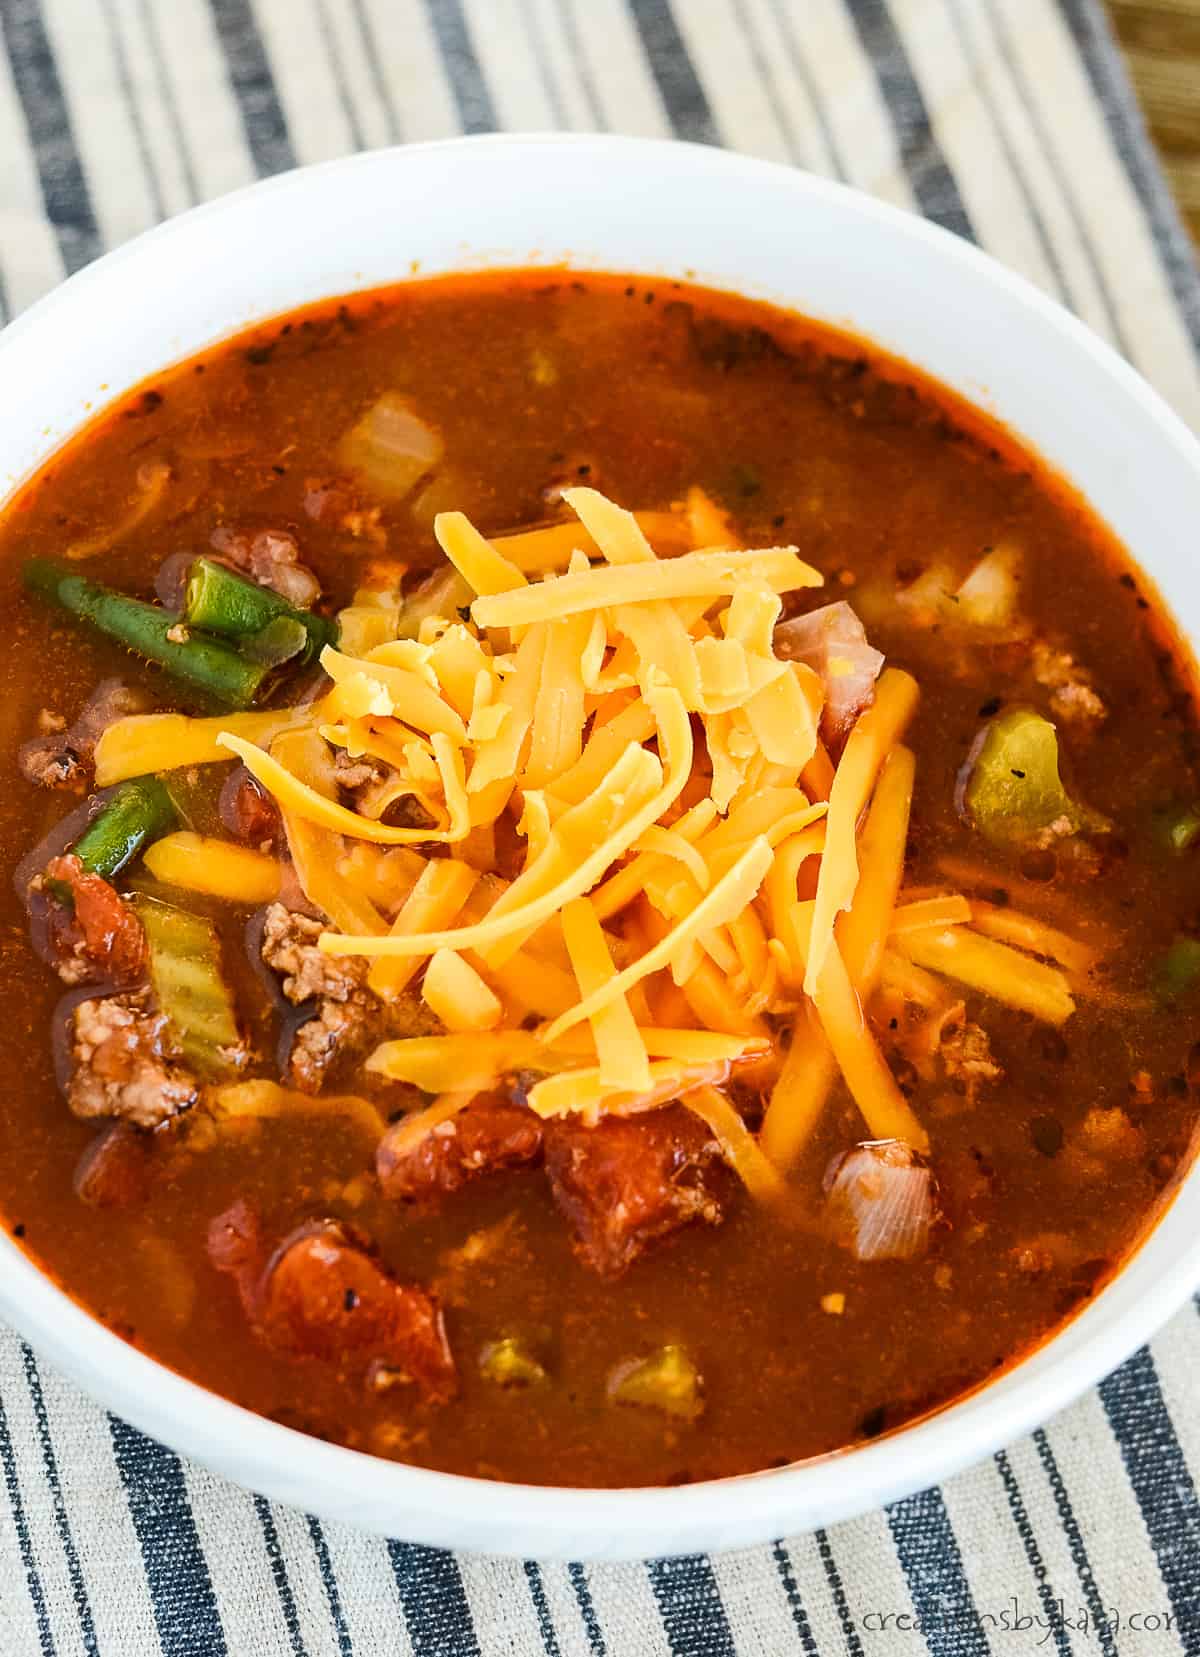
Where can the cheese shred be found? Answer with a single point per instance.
(685, 862)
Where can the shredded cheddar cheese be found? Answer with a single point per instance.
(606, 723)
(458, 995)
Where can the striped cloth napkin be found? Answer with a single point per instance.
(1010, 122)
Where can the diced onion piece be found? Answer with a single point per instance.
(219, 867)
(832, 641)
(391, 447)
(457, 994)
(988, 597)
(881, 1201)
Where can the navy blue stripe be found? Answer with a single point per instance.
(476, 112)
(1097, 1614)
(33, 1580)
(689, 1603)
(1051, 1607)
(435, 1606)
(983, 91)
(587, 1610)
(674, 72)
(787, 1577)
(541, 1605)
(1112, 87)
(79, 1593)
(838, 1591)
(329, 1582)
(181, 1590)
(253, 86)
(1066, 188)
(283, 1586)
(65, 193)
(927, 1549)
(933, 183)
(1162, 1483)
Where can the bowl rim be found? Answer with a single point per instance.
(585, 1522)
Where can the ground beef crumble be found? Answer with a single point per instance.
(61, 755)
(124, 1063)
(272, 558)
(345, 1013)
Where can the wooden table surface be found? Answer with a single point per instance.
(1161, 39)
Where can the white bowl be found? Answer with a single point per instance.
(663, 209)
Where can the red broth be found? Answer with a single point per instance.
(1051, 1156)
